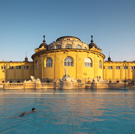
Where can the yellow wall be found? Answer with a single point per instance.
(15, 74)
(121, 73)
(77, 71)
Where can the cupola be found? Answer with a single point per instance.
(92, 44)
(43, 45)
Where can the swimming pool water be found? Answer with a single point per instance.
(68, 112)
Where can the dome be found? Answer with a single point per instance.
(68, 37)
(43, 44)
(92, 44)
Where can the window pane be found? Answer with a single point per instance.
(88, 62)
(68, 46)
(78, 47)
(68, 61)
(49, 62)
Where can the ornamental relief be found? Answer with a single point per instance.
(57, 58)
(78, 59)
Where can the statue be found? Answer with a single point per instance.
(33, 80)
(65, 72)
(67, 77)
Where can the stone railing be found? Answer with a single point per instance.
(57, 85)
(27, 85)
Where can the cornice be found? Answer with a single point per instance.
(67, 50)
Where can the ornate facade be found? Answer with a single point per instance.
(80, 59)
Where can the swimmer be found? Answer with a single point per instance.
(32, 111)
(24, 113)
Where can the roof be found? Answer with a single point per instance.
(92, 44)
(67, 37)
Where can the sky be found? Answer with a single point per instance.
(24, 22)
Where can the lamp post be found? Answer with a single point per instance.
(125, 67)
(5, 68)
(85, 77)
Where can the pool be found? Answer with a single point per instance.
(68, 112)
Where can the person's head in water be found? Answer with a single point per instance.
(33, 109)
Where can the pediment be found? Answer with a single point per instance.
(95, 49)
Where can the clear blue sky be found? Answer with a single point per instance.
(24, 22)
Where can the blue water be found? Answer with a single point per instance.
(68, 112)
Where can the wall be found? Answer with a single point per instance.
(14, 74)
(119, 74)
(77, 71)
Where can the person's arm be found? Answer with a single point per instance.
(37, 112)
(22, 114)
(28, 112)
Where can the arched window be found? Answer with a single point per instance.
(68, 61)
(88, 62)
(49, 62)
(58, 47)
(51, 48)
(36, 64)
(100, 64)
(85, 48)
(68, 46)
(78, 47)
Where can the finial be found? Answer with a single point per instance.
(43, 38)
(91, 38)
(26, 59)
(109, 58)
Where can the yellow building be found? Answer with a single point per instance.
(15, 71)
(80, 59)
(119, 71)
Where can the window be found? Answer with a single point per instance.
(78, 47)
(36, 64)
(32, 67)
(68, 61)
(88, 62)
(68, 46)
(85, 48)
(125, 67)
(11, 67)
(26, 67)
(100, 64)
(58, 47)
(132, 67)
(51, 48)
(18, 67)
(1, 67)
(109, 67)
(49, 62)
(117, 67)
(18, 81)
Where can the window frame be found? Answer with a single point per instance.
(49, 63)
(86, 63)
(68, 61)
(68, 46)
